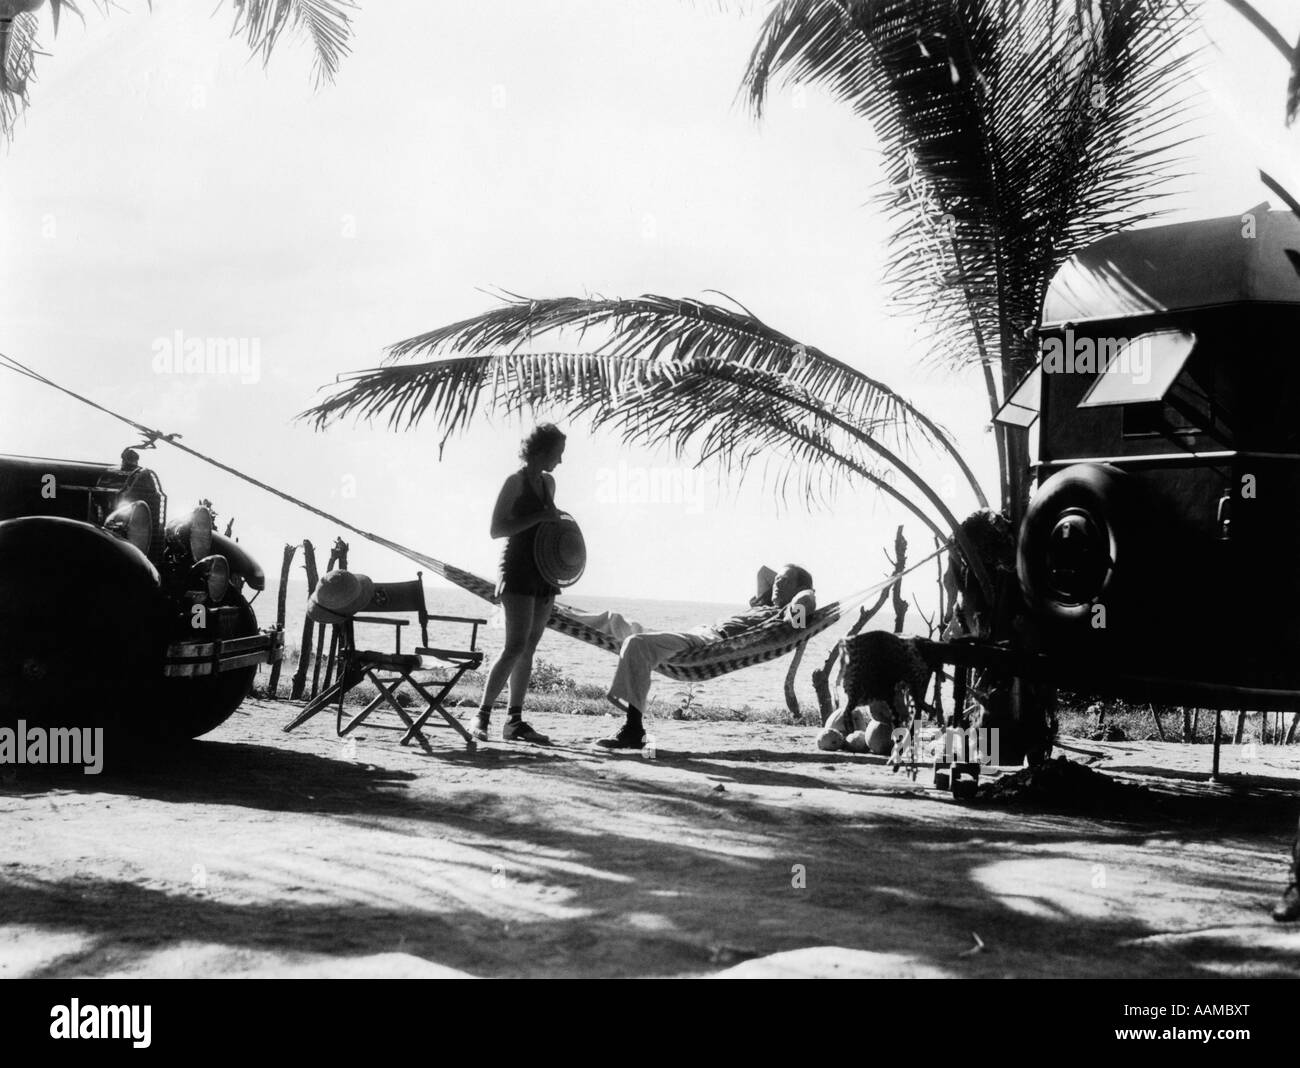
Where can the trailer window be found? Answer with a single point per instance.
(1022, 407)
(1140, 370)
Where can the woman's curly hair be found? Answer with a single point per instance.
(540, 440)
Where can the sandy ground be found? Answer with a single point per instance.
(741, 850)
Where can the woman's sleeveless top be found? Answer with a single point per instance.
(519, 572)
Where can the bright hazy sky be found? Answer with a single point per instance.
(164, 182)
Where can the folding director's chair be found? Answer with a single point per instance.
(388, 671)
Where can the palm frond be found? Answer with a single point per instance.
(715, 410)
(17, 54)
(1293, 87)
(654, 328)
(720, 412)
(1274, 37)
(1015, 133)
(326, 23)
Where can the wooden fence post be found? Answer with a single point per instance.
(821, 677)
(285, 564)
(341, 552)
(304, 656)
(900, 565)
(791, 698)
(339, 559)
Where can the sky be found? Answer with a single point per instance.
(165, 187)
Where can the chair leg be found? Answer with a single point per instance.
(435, 704)
(386, 688)
(358, 718)
(317, 704)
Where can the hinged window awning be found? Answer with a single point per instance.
(1136, 370)
(1021, 408)
(1141, 370)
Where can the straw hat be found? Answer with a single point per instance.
(559, 551)
(343, 592)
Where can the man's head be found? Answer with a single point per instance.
(791, 580)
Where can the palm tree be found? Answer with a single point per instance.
(1015, 133)
(261, 23)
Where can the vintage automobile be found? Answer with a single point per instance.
(1158, 556)
(110, 615)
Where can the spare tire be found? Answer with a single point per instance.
(83, 624)
(188, 707)
(1079, 544)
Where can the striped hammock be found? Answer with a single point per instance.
(762, 642)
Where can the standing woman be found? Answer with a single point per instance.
(526, 499)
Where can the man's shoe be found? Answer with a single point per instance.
(1287, 908)
(628, 737)
(516, 730)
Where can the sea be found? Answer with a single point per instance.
(755, 688)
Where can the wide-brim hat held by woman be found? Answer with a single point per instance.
(344, 593)
(560, 551)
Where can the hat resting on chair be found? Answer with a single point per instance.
(343, 592)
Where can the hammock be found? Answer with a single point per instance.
(762, 642)
(757, 645)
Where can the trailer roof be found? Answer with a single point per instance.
(1182, 267)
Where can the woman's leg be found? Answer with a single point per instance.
(523, 669)
(518, 609)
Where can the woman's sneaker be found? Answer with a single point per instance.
(516, 730)
(628, 737)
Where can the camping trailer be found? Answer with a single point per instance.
(105, 617)
(1158, 555)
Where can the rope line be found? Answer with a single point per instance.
(764, 642)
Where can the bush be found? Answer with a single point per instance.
(550, 678)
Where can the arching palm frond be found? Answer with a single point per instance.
(654, 328)
(326, 23)
(1008, 129)
(719, 411)
(1293, 87)
(1274, 37)
(1015, 133)
(722, 411)
(17, 49)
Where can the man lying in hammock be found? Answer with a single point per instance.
(788, 594)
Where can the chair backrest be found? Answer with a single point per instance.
(402, 597)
